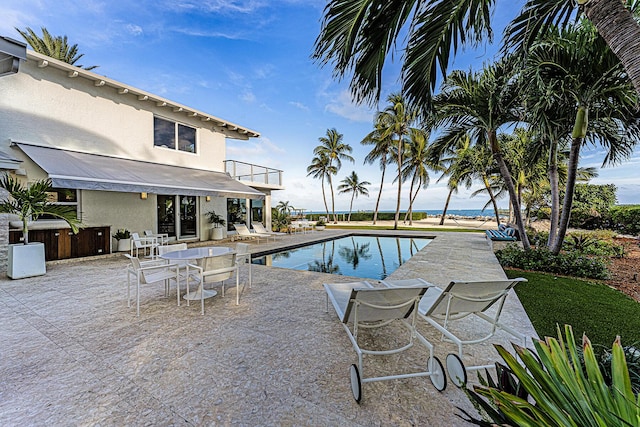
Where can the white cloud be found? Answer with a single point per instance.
(247, 96)
(344, 107)
(216, 6)
(299, 105)
(209, 34)
(135, 30)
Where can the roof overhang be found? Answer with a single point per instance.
(230, 130)
(85, 171)
(11, 52)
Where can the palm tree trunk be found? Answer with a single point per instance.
(408, 212)
(446, 206)
(384, 267)
(578, 134)
(351, 205)
(397, 216)
(494, 202)
(555, 194)
(333, 201)
(506, 175)
(411, 202)
(375, 212)
(619, 29)
(324, 197)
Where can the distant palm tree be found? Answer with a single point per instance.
(415, 166)
(284, 207)
(57, 47)
(321, 168)
(332, 147)
(352, 184)
(382, 151)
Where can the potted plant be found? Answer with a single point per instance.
(218, 222)
(320, 225)
(28, 203)
(123, 240)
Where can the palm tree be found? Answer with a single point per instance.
(395, 123)
(352, 184)
(321, 168)
(332, 147)
(357, 37)
(479, 104)
(284, 207)
(415, 166)
(455, 164)
(57, 47)
(587, 80)
(381, 151)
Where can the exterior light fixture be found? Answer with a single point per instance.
(143, 196)
(208, 198)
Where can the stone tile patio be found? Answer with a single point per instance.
(72, 353)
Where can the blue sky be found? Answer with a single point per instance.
(248, 61)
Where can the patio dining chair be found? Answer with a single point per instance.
(147, 273)
(161, 238)
(359, 306)
(460, 303)
(208, 270)
(143, 243)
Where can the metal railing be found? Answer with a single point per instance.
(250, 173)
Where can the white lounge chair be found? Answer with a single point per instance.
(245, 234)
(212, 269)
(161, 238)
(147, 273)
(260, 229)
(441, 308)
(361, 305)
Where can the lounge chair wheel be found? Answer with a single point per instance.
(356, 385)
(456, 370)
(438, 378)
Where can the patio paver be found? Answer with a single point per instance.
(72, 353)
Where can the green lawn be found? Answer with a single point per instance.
(595, 309)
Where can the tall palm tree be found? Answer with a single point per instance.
(382, 152)
(454, 164)
(321, 168)
(332, 147)
(479, 104)
(595, 94)
(358, 36)
(56, 47)
(396, 122)
(416, 166)
(352, 184)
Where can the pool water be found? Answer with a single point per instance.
(370, 257)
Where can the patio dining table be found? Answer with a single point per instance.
(197, 254)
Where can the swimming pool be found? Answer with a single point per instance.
(370, 257)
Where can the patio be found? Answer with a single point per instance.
(73, 354)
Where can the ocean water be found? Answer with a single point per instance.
(437, 212)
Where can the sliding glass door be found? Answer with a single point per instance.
(181, 222)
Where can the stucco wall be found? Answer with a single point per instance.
(45, 106)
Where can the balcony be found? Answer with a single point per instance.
(254, 175)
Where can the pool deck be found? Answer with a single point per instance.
(72, 353)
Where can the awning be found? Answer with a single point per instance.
(71, 169)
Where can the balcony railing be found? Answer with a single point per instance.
(253, 174)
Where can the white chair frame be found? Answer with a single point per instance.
(441, 307)
(361, 305)
(219, 274)
(150, 272)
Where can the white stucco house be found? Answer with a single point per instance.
(125, 158)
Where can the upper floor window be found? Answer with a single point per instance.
(169, 134)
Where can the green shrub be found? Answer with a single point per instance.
(590, 244)
(385, 216)
(625, 219)
(565, 263)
